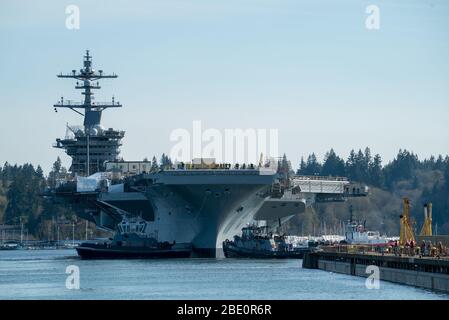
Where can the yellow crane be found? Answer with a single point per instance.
(427, 226)
(406, 233)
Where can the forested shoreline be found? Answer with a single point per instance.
(406, 175)
(427, 180)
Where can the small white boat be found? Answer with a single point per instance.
(10, 245)
(356, 233)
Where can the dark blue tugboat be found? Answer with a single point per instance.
(258, 242)
(133, 241)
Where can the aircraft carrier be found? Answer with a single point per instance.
(201, 203)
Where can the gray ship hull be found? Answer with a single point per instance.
(193, 214)
(233, 251)
(204, 210)
(86, 251)
(201, 207)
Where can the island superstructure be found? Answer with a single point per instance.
(91, 145)
(200, 203)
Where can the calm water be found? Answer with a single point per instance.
(41, 275)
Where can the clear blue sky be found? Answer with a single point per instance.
(309, 68)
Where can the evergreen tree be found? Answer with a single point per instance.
(57, 172)
(154, 165)
(361, 167)
(446, 174)
(355, 166)
(2, 177)
(313, 167)
(333, 165)
(5, 174)
(302, 167)
(375, 172)
(429, 163)
(439, 164)
(40, 172)
(24, 197)
(367, 158)
(350, 165)
(284, 166)
(57, 165)
(402, 167)
(165, 162)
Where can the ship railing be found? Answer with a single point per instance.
(108, 104)
(212, 171)
(354, 249)
(94, 104)
(92, 143)
(321, 186)
(320, 178)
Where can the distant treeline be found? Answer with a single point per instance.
(21, 201)
(362, 166)
(21, 187)
(405, 176)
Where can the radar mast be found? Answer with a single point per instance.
(91, 146)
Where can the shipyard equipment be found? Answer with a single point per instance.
(406, 232)
(427, 227)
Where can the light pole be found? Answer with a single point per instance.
(21, 231)
(73, 232)
(88, 156)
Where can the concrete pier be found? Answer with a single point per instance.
(429, 273)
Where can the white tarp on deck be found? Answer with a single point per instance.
(90, 183)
